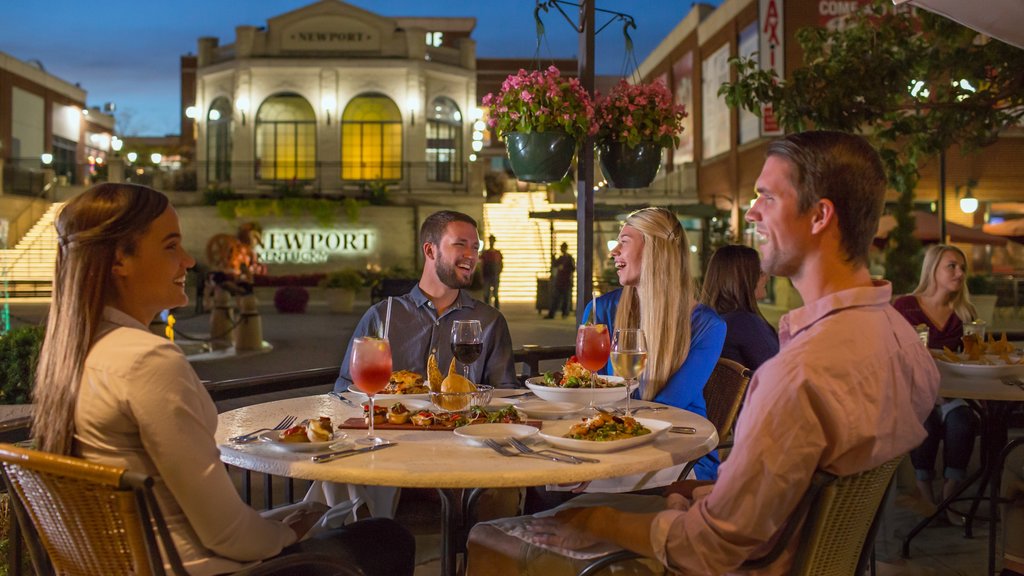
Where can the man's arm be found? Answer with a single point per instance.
(499, 369)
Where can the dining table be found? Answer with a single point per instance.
(993, 392)
(444, 461)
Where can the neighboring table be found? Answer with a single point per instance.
(993, 400)
(439, 459)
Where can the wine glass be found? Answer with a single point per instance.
(629, 356)
(466, 343)
(592, 348)
(371, 370)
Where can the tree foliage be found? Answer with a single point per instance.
(913, 82)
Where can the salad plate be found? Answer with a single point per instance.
(554, 434)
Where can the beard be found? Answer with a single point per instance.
(448, 274)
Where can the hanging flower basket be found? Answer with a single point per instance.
(634, 122)
(540, 156)
(542, 117)
(625, 166)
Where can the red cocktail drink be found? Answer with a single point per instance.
(371, 370)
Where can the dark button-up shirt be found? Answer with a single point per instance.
(416, 330)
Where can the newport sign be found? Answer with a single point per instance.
(312, 245)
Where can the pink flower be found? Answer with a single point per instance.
(541, 101)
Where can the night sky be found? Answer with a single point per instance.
(128, 52)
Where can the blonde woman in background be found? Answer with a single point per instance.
(942, 302)
(110, 391)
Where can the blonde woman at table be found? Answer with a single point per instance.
(684, 337)
(942, 303)
(110, 391)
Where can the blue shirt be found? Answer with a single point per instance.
(750, 340)
(685, 387)
(416, 330)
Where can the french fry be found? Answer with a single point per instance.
(950, 355)
(434, 376)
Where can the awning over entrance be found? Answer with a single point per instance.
(616, 212)
(1011, 229)
(927, 230)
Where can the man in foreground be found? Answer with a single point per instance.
(847, 392)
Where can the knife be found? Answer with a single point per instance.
(320, 458)
(342, 398)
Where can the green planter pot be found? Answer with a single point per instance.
(625, 167)
(540, 156)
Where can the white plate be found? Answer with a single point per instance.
(355, 390)
(270, 437)
(601, 396)
(413, 404)
(479, 432)
(544, 409)
(499, 403)
(997, 369)
(553, 434)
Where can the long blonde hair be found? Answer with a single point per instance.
(90, 229)
(663, 300)
(961, 299)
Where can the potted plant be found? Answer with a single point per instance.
(340, 289)
(634, 122)
(541, 117)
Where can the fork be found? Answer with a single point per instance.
(500, 449)
(1013, 382)
(522, 447)
(622, 411)
(284, 424)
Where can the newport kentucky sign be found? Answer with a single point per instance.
(331, 34)
(312, 245)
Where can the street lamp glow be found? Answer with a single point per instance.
(192, 112)
(46, 158)
(214, 115)
(969, 204)
(116, 143)
(477, 145)
(132, 156)
(156, 157)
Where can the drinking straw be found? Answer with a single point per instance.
(387, 319)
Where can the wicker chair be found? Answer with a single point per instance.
(723, 395)
(89, 519)
(842, 516)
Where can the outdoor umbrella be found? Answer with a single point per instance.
(926, 229)
(1002, 19)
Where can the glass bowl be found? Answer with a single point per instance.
(461, 401)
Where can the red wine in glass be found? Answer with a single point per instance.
(467, 342)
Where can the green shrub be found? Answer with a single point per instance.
(346, 278)
(19, 354)
(215, 193)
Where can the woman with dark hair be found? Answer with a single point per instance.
(110, 391)
(732, 286)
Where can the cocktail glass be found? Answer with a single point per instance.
(371, 370)
(593, 344)
(629, 357)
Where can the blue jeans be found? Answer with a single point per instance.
(956, 434)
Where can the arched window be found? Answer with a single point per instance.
(285, 139)
(218, 141)
(371, 139)
(444, 141)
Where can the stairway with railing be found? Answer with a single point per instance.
(525, 243)
(27, 269)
